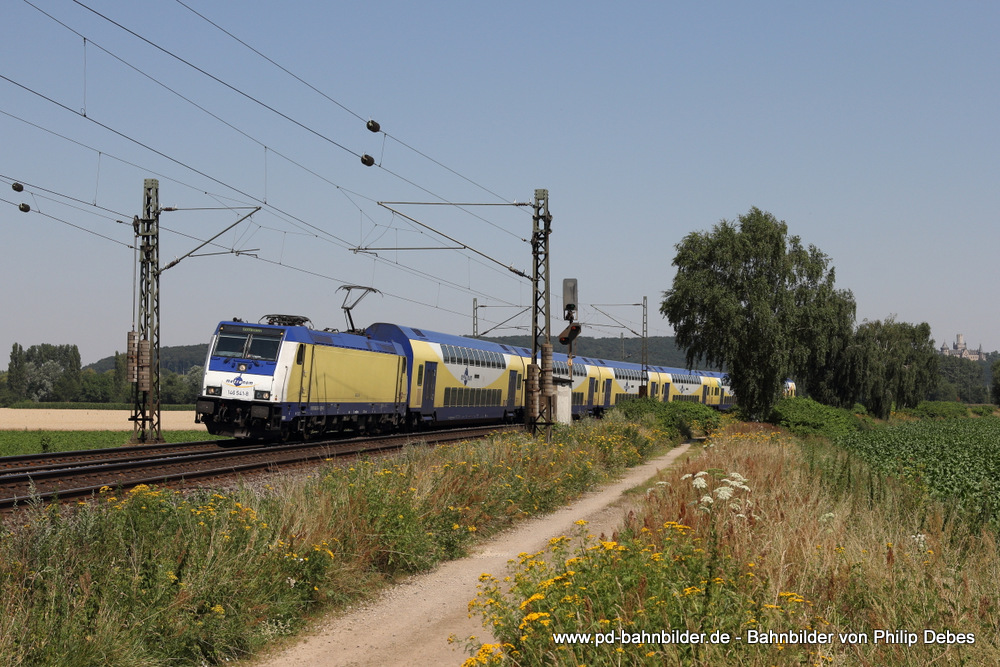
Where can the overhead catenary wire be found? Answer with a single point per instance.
(290, 218)
(236, 252)
(517, 272)
(373, 126)
(271, 207)
(36, 211)
(219, 81)
(261, 259)
(364, 157)
(267, 148)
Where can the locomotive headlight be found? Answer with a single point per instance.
(213, 391)
(242, 368)
(262, 395)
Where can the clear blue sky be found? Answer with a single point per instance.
(870, 128)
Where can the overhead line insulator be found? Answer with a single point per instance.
(367, 160)
(373, 125)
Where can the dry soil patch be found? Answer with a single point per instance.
(89, 420)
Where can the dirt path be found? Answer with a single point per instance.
(410, 623)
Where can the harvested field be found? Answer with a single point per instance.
(88, 420)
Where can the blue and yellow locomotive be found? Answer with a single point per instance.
(281, 379)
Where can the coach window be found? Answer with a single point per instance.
(420, 375)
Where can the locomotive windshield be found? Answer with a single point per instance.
(247, 345)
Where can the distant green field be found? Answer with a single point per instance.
(13, 443)
(956, 460)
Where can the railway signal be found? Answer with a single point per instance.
(569, 334)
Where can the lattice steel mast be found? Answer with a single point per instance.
(540, 394)
(144, 343)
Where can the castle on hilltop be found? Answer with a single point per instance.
(960, 350)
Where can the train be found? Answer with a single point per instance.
(283, 379)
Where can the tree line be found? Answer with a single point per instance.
(747, 298)
(752, 298)
(52, 373)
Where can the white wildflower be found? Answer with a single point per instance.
(700, 474)
(699, 483)
(707, 500)
(724, 492)
(687, 476)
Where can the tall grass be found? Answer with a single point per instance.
(147, 576)
(756, 535)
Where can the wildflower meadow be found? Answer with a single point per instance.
(757, 552)
(152, 576)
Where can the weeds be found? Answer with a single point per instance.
(147, 576)
(756, 536)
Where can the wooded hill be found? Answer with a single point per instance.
(179, 359)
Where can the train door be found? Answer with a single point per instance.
(704, 394)
(607, 392)
(430, 383)
(511, 389)
(590, 392)
(304, 360)
(401, 387)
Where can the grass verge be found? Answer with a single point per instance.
(15, 443)
(757, 536)
(147, 576)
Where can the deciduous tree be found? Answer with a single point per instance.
(995, 384)
(893, 364)
(754, 299)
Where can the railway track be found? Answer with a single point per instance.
(38, 462)
(73, 475)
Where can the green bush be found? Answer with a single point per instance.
(939, 410)
(804, 416)
(681, 418)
